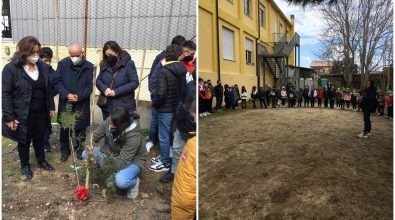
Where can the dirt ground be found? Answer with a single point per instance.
(297, 163)
(47, 195)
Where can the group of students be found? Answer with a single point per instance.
(29, 85)
(276, 97)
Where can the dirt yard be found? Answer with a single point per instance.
(46, 196)
(297, 163)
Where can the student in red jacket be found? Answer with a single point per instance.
(389, 102)
(320, 96)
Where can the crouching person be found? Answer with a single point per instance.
(126, 150)
(183, 199)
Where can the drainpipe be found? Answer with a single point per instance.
(258, 64)
(218, 52)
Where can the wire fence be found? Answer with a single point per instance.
(141, 27)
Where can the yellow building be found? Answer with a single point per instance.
(246, 42)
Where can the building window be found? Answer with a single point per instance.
(249, 55)
(262, 16)
(247, 7)
(228, 44)
(281, 27)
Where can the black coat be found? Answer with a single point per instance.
(171, 81)
(84, 90)
(16, 96)
(125, 82)
(369, 102)
(219, 91)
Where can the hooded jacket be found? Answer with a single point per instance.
(171, 82)
(16, 97)
(128, 148)
(125, 82)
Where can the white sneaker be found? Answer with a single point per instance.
(156, 159)
(133, 191)
(204, 114)
(378, 113)
(369, 134)
(159, 167)
(208, 113)
(362, 135)
(149, 145)
(201, 114)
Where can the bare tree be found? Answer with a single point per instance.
(375, 33)
(310, 2)
(356, 32)
(341, 34)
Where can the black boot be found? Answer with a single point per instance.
(26, 171)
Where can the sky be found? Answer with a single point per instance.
(308, 24)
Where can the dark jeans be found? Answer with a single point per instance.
(326, 103)
(36, 125)
(380, 109)
(201, 105)
(219, 103)
(65, 142)
(153, 129)
(366, 119)
(390, 111)
(354, 106)
(312, 101)
(332, 103)
(348, 105)
(274, 102)
(263, 102)
(210, 105)
(268, 100)
(165, 121)
(319, 102)
(253, 102)
(300, 102)
(306, 101)
(282, 101)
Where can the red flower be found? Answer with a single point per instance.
(82, 193)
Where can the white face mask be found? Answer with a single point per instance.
(32, 59)
(75, 60)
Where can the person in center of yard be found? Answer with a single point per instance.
(268, 98)
(369, 105)
(26, 102)
(171, 80)
(312, 95)
(244, 97)
(126, 151)
(73, 81)
(389, 102)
